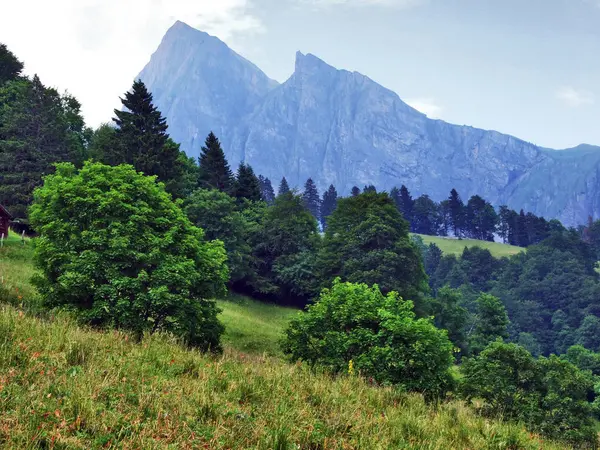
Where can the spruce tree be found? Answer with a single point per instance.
(406, 203)
(311, 198)
(355, 191)
(395, 195)
(142, 137)
(284, 187)
(457, 208)
(247, 184)
(214, 172)
(328, 205)
(268, 194)
(10, 66)
(369, 188)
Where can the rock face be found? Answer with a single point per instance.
(341, 127)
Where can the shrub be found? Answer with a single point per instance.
(114, 247)
(379, 334)
(548, 395)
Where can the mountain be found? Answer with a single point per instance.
(343, 128)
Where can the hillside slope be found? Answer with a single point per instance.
(343, 128)
(456, 246)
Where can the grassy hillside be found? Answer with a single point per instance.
(456, 247)
(67, 387)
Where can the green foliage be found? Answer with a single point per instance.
(247, 185)
(311, 198)
(38, 127)
(491, 323)
(480, 219)
(583, 358)
(379, 335)
(114, 247)
(141, 138)
(450, 315)
(328, 205)
(284, 187)
(10, 66)
(367, 241)
(215, 172)
(285, 248)
(220, 217)
(268, 194)
(588, 333)
(548, 395)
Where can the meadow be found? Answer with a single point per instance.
(456, 246)
(67, 386)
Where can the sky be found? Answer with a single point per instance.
(530, 68)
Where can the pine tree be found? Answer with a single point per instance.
(311, 198)
(521, 230)
(215, 172)
(267, 191)
(406, 203)
(284, 187)
(142, 137)
(369, 188)
(504, 217)
(457, 208)
(10, 66)
(355, 191)
(247, 184)
(328, 205)
(395, 195)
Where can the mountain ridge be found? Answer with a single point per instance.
(342, 127)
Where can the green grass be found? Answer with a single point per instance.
(65, 386)
(456, 246)
(252, 326)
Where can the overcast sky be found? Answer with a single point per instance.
(530, 68)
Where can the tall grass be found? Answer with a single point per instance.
(63, 386)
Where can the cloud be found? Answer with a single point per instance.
(427, 106)
(574, 98)
(96, 47)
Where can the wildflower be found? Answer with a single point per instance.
(351, 367)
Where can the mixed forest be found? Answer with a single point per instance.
(131, 234)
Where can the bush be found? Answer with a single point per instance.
(378, 334)
(548, 395)
(114, 247)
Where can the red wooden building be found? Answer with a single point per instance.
(5, 218)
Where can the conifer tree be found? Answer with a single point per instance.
(406, 203)
(284, 187)
(10, 66)
(395, 195)
(142, 137)
(268, 194)
(355, 191)
(328, 205)
(311, 198)
(369, 188)
(247, 184)
(457, 208)
(214, 172)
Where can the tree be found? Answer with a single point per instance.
(504, 223)
(328, 205)
(456, 207)
(285, 248)
(369, 188)
(491, 322)
(480, 219)
(451, 316)
(355, 191)
(247, 185)
(311, 199)
(142, 137)
(377, 335)
(215, 172)
(547, 395)
(38, 127)
(219, 216)
(431, 258)
(367, 241)
(425, 216)
(268, 194)
(588, 333)
(406, 204)
(114, 247)
(10, 66)
(284, 187)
